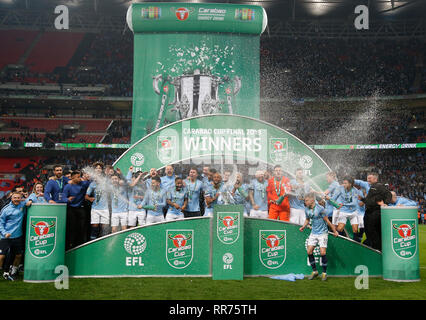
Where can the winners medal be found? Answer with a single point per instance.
(281, 198)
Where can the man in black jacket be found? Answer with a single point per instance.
(377, 196)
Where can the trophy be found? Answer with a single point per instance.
(195, 94)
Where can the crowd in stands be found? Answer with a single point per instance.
(48, 139)
(26, 77)
(308, 67)
(118, 130)
(111, 56)
(313, 126)
(337, 127)
(342, 68)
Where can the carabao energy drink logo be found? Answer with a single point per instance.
(272, 248)
(228, 227)
(179, 248)
(42, 237)
(404, 238)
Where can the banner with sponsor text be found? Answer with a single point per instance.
(193, 59)
(184, 248)
(45, 241)
(400, 244)
(214, 140)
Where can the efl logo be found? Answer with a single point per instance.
(137, 159)
(182, 14)
(134, 244)
(227, 258)
(306, 162)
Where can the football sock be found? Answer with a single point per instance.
(312, 262)
(357, 237)
(324, 263)
(94, 232)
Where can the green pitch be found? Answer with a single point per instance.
(206, 289)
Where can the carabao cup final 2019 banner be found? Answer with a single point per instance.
(193, 59)
(219, 139)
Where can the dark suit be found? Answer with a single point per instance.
(372, 219)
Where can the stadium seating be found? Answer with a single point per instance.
(332, 68)
(54, 124)
(14, 165)
(85, 138)
(14, 44)
(54, 49)
(7, 136)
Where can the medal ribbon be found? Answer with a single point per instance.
(278, 192)
(60, 184)
(191, 191)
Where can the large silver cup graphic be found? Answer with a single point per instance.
(196, 94)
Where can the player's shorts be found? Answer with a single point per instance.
(119, 218)
(259, 214)
(334, 216)
(99, 216)
(277, 212)
(360, 220)
(208, 212)
(342, 217)
(297, 216)
(16, 245)
(170, 216)
(321, 239)
(191, 214)
(136, 217)
(150, 218)
(245, 212)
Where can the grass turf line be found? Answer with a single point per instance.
(251, 288)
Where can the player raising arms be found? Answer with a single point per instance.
(319, 234)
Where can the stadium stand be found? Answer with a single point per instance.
(69, 130)
(53, 124)
(54, 49)
(16, 42)
(293, 72)
(336, 68)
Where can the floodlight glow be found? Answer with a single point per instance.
(318, 7)
(398, 6)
